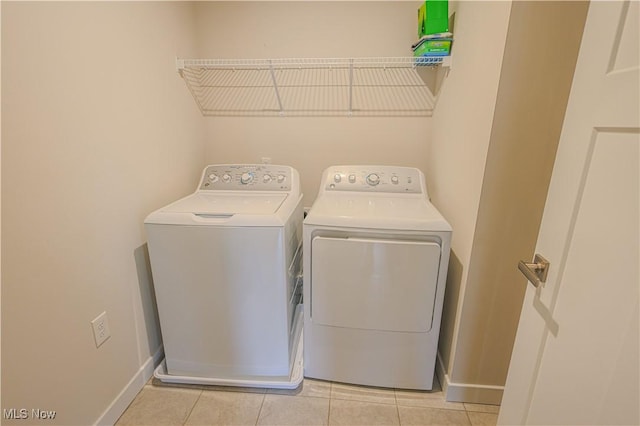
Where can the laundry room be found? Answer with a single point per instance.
(100, 128)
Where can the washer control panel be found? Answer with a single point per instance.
(374, 179)
(252, 177)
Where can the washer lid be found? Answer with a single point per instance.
(225, 203)
(371, 211)
(225, 208)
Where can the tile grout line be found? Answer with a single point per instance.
(264, 395)
(330, 398)
(186, 419)
(468, 418)
(395, 396)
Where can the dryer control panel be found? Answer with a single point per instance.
(373, 179)
(251, 177)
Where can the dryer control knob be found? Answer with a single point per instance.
(281, 178)
(213, 177)
(337, 178)
(246, 178)
(352, 178)
(373, 179)
(267, 178)
(394, 180)
(226, 178)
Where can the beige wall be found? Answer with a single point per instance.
(312, 29)
(539, 58)
(97, 131)
(459, 142)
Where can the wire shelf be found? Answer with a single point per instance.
(310, 87)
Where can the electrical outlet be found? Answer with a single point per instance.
(101, 329)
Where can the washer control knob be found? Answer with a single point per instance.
(226, 178)
(281, 178)
(394, 180)
(246, 178)
(352, 178)
(337, 178)
(213, 177)
(267, 178)
(373, 179)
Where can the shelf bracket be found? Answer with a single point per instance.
(351, 86)
(275, 86)
(179, 66)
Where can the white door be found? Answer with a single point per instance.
(575, 358)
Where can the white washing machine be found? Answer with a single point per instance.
(375, 264)
(226, 264)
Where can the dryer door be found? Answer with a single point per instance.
(374, 284)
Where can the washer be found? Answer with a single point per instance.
(375, 263)
(226, 264)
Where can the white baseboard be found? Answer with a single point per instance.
(467, 392)
(129, 392)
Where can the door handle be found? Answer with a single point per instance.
(535, 272)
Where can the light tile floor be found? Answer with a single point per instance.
(315, 402)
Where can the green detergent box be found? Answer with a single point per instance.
(435, 47)
(433, 17)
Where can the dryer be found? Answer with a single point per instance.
(375, 264)
(226, 265)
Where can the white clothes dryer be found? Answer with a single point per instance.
(375, 264)
(226, 265)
